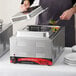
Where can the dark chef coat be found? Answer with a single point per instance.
(55, 9)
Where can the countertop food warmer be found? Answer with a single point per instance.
(5, 34)
(37, 44)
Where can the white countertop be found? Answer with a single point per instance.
(58, 69)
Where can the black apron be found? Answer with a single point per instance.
(55, 9)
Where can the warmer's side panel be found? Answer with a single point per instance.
(4, 39)
(58, 44)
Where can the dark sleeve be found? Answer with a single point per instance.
(31, 1)
(73, 2)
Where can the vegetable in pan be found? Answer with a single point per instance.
(52, 22)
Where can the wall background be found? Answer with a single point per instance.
(9, 7)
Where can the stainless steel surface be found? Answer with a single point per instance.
(22, 15)
(39, 47)
(1, 23)
(5, 34)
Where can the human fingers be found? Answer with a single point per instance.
(66, 15)
(63, 16)
(23, 8)
(27, 4)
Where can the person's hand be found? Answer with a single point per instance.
(25, 5)
(66, 15)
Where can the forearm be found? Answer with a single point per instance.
(73, 9)
(66, 15)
